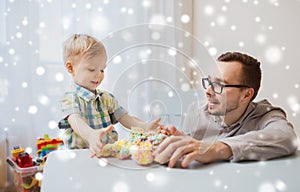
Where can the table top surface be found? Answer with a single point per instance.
(74, 170)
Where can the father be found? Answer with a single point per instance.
(231, 126)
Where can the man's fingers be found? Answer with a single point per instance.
(189, 158)
(164, 144)
(181, 151)
(172, 129)
(169, 149)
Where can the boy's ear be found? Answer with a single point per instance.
(69, 66)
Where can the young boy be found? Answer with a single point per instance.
(90, 111)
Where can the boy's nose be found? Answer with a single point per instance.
(99, 75)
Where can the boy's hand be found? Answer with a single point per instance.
(95, 140)
(153, 125)
(170, 130)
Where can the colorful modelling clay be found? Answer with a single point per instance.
(139, 147)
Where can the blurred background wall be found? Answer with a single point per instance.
(157, 50)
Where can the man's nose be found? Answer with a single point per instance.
(209, 90)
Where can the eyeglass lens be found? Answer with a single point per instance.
(216, 87)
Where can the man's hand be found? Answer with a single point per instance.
(188, 149)
(94, 140)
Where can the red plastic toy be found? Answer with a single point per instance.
(21, 158)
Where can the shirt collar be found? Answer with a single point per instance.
(85, 93)
(249, 110)
(218, 119)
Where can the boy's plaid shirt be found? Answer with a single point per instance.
(99, 110)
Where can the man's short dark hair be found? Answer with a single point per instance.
(251, 71)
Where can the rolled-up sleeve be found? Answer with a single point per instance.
(274, 138)
(115, 110)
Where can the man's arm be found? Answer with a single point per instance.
(276, 139)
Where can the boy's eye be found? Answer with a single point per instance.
(102, 71)
(91, 70)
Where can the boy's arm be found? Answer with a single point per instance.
(92, 136)
(131, 121)
(79, 126)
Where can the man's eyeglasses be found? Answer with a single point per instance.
(218, 87)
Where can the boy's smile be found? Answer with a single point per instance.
(89, 73)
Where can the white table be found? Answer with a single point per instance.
(75, 171)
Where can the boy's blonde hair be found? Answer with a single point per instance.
(81, 45)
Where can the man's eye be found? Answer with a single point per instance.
(220, 84)
(102, 71)
(91, 70)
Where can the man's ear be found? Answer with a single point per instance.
(249, 94)
(69, 66)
